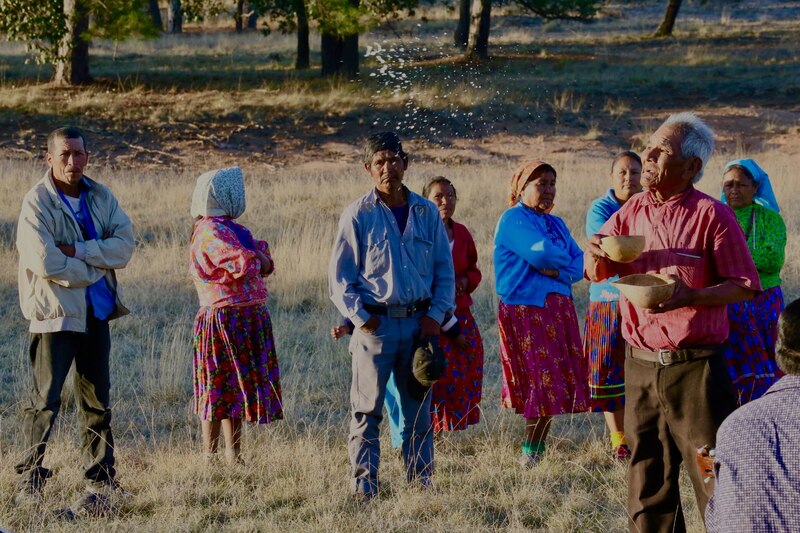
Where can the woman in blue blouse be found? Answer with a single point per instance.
(536, 262)
(603, 343)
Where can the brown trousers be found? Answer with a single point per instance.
(670, 412)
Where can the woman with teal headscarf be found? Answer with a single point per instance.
(753, 325)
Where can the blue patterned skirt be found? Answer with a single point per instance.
(751, 344)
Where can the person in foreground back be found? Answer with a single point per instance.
(757, 461)
(236, 375)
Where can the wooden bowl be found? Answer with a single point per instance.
(646, 290)
(623, 248)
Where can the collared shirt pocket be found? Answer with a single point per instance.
(690, 265)
(423, 255)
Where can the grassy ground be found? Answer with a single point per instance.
(165, 110)
(297, 473)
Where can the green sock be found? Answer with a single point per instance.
(536, 446)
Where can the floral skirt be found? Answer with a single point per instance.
(457, 395)
(750, 353)
(544, 371)
(604, 347)
(236, 371)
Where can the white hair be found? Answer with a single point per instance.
(698, 139)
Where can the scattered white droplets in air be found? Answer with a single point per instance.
(430, 89)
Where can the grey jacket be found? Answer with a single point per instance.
(52, 286)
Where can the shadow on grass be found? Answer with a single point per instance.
(245, 104)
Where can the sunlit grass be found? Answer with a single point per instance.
(297, 473)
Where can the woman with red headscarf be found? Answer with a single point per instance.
(536, 262)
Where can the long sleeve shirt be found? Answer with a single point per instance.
(372, 262)
(526, 242)
(692, 236)
(465, 263)
(766, 238)
(757, 465)
(601, 210)
(224, 271)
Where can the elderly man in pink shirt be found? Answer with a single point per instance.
(676, 384)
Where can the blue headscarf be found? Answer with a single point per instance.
(764, 195)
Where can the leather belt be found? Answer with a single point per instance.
(671, 357)
(398, 311)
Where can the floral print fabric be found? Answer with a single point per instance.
(544, 371)
(457, 395)
(236, 371)
(223, 270)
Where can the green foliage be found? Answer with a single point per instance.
(120, 19)
(562, 9)
(338, 17)
(43, 24)
(197, 10)
(281, 11)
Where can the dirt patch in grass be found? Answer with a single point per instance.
(216, 99)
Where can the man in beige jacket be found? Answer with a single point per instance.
(71, 236)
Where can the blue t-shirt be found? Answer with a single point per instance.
(600, 211)
(401, 216)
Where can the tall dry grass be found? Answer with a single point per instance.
(297, 473)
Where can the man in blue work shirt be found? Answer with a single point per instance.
(391, 274)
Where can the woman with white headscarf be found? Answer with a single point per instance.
(236, 374)
(753, 325)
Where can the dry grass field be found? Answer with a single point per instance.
(296, 476)
(569, 93)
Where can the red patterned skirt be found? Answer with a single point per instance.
(236, 371)
(457, 395)
(544, 371)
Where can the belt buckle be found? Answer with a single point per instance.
(661, 354)
(398, 311)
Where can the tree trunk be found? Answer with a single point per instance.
(174, 16)
(665, 28)
(478, 45)
(339, 55)
(238, 16)
(155, 14)
(72, 67)
(331, 52)
(461, 36)
(350, 55)
(252, 18)
(303, 59)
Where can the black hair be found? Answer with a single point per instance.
(744, 169)
(385, 140)
(437, 181)
(622, 155)
(66, 132)
(787, 349)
